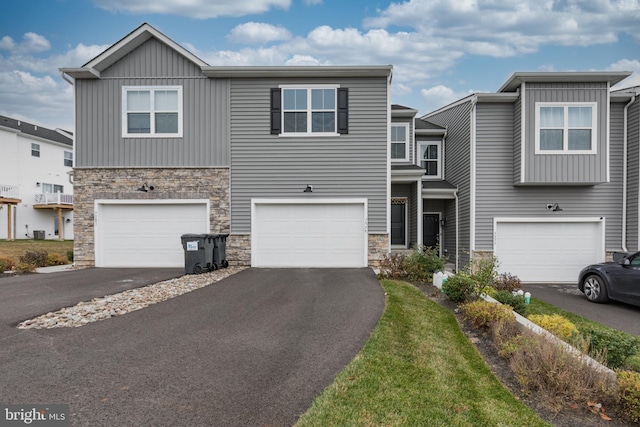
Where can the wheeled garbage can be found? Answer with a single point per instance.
(198, 253)
(220, 250)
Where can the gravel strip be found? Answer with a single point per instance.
(124, 302)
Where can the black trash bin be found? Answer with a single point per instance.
(220, 250)
(198, 253)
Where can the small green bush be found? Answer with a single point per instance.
(6, 264)
(483, 314)
(70, 255)
(391, 266)
(484, 270)
(35, 258)
(507, 282)
(516, 302)
(24, 267)
(422, 263)
(461, 288)
(556, 324)
(629, 397)
(617, 345)
(56, 259)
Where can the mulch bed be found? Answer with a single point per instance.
(570, 416)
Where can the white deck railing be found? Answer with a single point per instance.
(9, 191)
(54, 199)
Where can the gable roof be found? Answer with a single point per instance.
(37, 131)
(518, 78)
(117, 51)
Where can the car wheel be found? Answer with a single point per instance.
(594, 289)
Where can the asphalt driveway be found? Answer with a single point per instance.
(617, 315)
(251, 350)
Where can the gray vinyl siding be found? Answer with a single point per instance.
(345, 166)
(496, 196)
(411, 145)
(517, 141)
(565, 168)
(633, 204)
(205, 141)
(409, 192)
(457, 167)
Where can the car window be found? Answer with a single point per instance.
(635, 260)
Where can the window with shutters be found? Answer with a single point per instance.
(317, 110)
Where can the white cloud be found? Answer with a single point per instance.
(439, 96)
(312, 2)
(632, 65)
(199, 9)
(258, 33)
(31, 43)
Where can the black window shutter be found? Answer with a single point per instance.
(343, 110)
(276, 111)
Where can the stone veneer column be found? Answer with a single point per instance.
(122, 183)
(378, 248)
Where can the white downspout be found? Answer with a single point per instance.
(472, 180)
(624, 174)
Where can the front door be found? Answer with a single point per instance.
(431, 230)
(398, 224)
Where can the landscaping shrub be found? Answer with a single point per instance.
(70, 255)
(483, 314)
(484, 270)
(516, 302)
(506, 337)
(556, 376)
(56, 259)
(422, 263)
(629, 397)
(392, 266)
(35, 258)
(507, 282)
(6, 264)
(24, 267)
(461, 288)
(617, 345)
(556, 324)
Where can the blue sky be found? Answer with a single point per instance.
(441, 50)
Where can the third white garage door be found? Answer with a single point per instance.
(320, 233)
(548, 251)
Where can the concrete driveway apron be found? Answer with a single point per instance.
(253, 349)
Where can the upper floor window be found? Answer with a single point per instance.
(318, 110)
(152, 111)
(566, 128)
(52, 188)
(68, 159)
(35, 150)
(400, 142)
(429, 156)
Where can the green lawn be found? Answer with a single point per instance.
(417, 368)
(16, 248)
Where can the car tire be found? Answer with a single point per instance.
(594, 288)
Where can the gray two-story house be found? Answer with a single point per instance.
(291, 162)
(543, 174)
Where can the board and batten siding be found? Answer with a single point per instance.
(205, 140)
(496, 196)
(343, 166)
(633, 183)
(457, 171)
(565, 168)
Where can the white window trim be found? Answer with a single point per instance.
(565, 148)
(419, 158)
(152, 134)
(406, 143)
(308, 133)
(70, 158)
(35, 148)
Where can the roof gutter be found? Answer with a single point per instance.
(64, 77)
(625, 172)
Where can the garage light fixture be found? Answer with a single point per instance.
(309, 189)
(146, 188)
(554, 207)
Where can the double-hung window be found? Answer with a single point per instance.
(52, 188)
(400, 142)
(152, 111)
(566, 128)
(316, 110)
(429, 156)
(35, 149)
(68, 159)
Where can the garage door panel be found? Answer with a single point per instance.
(548, 252)
(313, 235)
(146, 235)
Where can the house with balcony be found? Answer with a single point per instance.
(36, 194)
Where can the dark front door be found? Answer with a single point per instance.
(398, 220)
(431, 230)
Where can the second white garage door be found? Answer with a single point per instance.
(548, 251)
(146, 234)
(321, 233)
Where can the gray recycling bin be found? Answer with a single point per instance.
(198, 253)
(220, 250)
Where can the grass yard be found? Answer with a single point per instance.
(16, 248)
(417, 368)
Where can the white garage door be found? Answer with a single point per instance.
(133, 234)
(319, 234)
(548, 252)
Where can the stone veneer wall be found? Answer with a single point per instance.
(122, 183)
(378, 248)
(238, 249)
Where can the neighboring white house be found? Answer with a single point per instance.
(36, 195)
